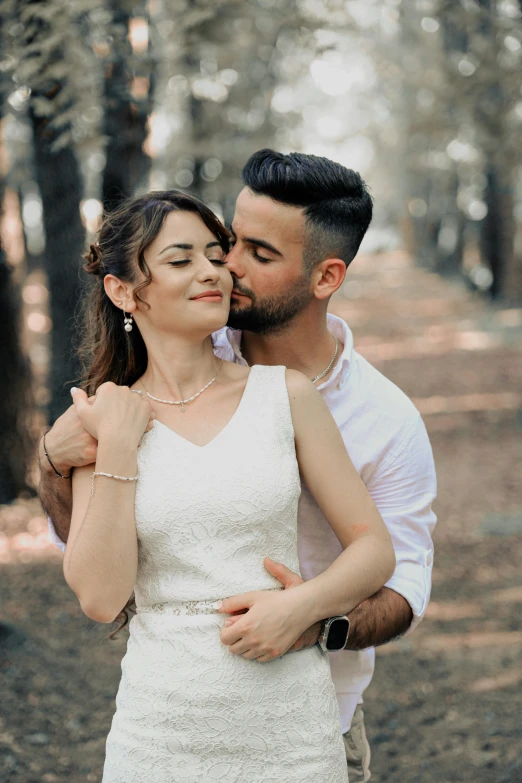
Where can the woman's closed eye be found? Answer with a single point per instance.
(185, 261)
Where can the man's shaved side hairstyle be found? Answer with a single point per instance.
(335, 200)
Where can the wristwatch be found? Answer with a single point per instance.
(334, 633)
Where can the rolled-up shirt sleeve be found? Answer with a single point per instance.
(404, 489)
(54, 536)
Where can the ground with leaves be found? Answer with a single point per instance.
(445, 703)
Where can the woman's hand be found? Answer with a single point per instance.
(114, 412)
(270, 626)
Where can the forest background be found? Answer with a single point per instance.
(104, 98)
(100, 99)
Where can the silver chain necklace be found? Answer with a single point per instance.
(331, 364)
(178, 402)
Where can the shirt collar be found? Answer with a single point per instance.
(227, 343)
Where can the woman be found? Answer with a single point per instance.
(185, 518)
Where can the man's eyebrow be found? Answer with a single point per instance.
(184, 246)
(258, 242)
(262, 243)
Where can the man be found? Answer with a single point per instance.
(298, 224)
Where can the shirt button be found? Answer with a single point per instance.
(429, 560)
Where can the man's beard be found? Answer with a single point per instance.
(271, 314)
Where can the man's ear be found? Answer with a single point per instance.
(120, 293)
(327, 277)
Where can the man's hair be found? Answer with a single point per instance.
(336, 203)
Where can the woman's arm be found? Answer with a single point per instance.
(275, 620)
(101, 558)
(368, 559)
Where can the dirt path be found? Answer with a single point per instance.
(445, 703)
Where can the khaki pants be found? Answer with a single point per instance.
(357, 749)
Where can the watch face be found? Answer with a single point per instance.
(337, 634)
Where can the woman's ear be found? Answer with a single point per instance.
(119, 293)
(327, 277)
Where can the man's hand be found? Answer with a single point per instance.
(69, 445)
(288, 579)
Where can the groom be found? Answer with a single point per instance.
(298, 224)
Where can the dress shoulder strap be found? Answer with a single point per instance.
(270, 395)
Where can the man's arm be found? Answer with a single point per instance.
(379, 619)
(55, 494)
(68, 446)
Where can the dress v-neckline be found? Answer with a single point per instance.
(221, 431)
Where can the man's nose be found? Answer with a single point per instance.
(234, 265)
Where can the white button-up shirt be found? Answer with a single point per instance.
(388, 444)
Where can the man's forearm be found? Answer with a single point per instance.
(55, 496)
(379, 619)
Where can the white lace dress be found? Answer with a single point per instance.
(188, 710)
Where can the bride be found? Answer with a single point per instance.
(197, 476)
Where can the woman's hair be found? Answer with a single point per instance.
(107, 351)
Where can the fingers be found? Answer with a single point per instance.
(267, 658)
(242, 647)
(231, 635)
(282, 573)
(250, 655)
(81, 402)
(250, 651)
(241, 641)
(79, 395)
(236, 603)
(232, 620)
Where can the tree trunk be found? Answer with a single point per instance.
(127, 165)
(16, 402)
(497, 236)
(59, 179)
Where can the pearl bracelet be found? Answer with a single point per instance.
(112, 476)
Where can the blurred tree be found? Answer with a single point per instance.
(128, 97)
(464, 158)
(53, 67)
(16, 402)
(60, 183)
(85, 73)
(221, 65)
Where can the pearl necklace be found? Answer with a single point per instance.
(178, 402)
(332, 362)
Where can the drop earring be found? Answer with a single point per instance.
(127, 322)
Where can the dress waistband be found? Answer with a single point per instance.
(187, 607)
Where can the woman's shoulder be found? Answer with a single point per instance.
(299, 385)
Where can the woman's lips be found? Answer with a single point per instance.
(209, 296)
